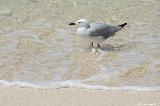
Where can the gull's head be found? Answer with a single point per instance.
(81, 23)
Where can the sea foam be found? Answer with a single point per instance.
(73, 84)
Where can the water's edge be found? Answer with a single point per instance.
(71, 84)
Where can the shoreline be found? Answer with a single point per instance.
(17, 96)
(70, 84)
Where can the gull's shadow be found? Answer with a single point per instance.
(108, 47)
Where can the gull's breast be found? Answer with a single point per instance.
(83, 32)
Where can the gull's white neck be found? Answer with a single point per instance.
(82, 31)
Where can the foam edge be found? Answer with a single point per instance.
(71, 84)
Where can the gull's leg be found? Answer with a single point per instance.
(98, 46)
(116, 42)
(91, 44)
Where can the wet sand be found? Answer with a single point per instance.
(37, 45)
(15, 96)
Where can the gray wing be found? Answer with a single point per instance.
(104, 30)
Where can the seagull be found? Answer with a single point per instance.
(96, 33)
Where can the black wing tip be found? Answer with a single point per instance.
(122, 25)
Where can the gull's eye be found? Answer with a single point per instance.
(79, 22)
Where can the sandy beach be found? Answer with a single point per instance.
(15, 96)
(39, 48)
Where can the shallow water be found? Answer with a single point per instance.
(38, 47)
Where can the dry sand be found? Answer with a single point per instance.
(15, 96)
